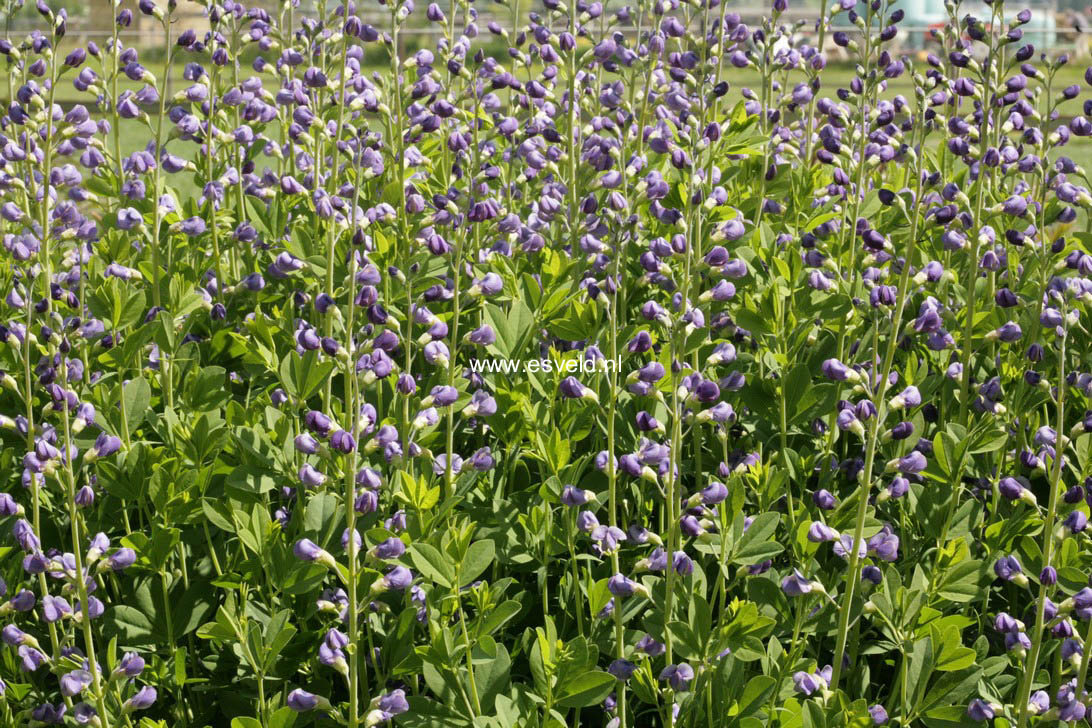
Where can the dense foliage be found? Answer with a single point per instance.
(542, 377)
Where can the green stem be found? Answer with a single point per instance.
(1082, 674)
(469, 652)
(1048, 547)
(853, 576)
(81, 586)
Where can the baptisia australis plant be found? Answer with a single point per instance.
(826, 460)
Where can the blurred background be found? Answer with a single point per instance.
(1057, 26)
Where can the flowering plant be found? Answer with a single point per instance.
(817, 447)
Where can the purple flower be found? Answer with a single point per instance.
(1075, 522)
(73, 683)
(130, 665)
(13, 636)
(1039, 703)
(396, 579)
(650, 646)
(910, 464)
(391, 548)
(807, 683)
(343, 442)
(129, 218)
(121, 559)
(1013, 489)
(306, 550)
(489, 285)
(83, 713)
(884, 545)
(1015, 205)
(621, 586)
(796, 584)
(872, 574)
(908, 399)
(712, 494)
(482, 336)
(318, 423)
(1071, 711)
(302, 701)
(1008, 333)
(192, 226)
(389, 705)
(24, 601)
(839, 372)
(980, 710)
(1008, 569)
(49, 715)
(843, 546)
(573, 389)
(847, 422)
(820, 532)
(311, 477)
(678, 676)
(1082, 603)
(573, 496)
(1004, 623)
(54, 609)
(621, 669)
(30, 658)
(1017, 642)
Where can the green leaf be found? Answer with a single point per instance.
(755, 544)
(161, 545)
(432, 564)
(425, 713)
(497, 617)
(919, 669)
(303, 375)
(132, 625)
(320, 515)
(701, 618)
(284, 717)
(588, 689)
(218, 513)
(797, 383)
(687, 643)
(250, 480)
(949, 653)
(573, 324)
(940, 454)
(278, 633)
(132, 310)
(512, 329)
(964, 582)
(478, 558)
(752, 321)
(557, 450)
(755, 694)
(180, 666)
(207, 391)
(246, 723)
(813, 715)
(138, 396)
(956, 688)
(950, 716)
(492, 667)
(304, 579)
